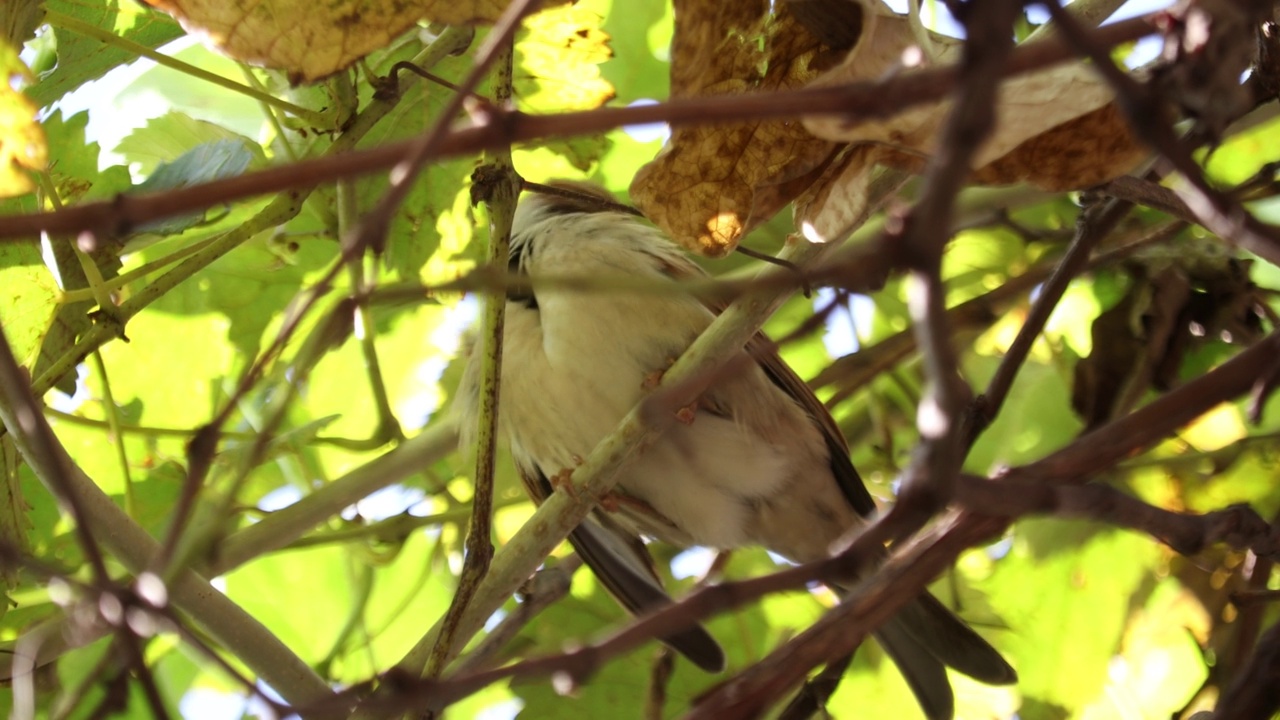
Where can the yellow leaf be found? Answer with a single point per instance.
(22, 143)
(1215, 429)
(312, 40)
(559, 53)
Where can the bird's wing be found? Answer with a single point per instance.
(623, 565)
(762, 349)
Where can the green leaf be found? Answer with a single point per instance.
(583, 153)
(213, 160)
(1036, 418)
(248, 286)
(206, 162)
(640, 35)
(1162, 666)
(75, 166)
(90, 665)
(82, 58)
(28, 299)
(146, 367)
(434, 223)
(1067, 588)
(168, 137)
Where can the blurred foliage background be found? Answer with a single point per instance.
(1099, 623)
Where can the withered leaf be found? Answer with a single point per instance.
(712, 184)
(311, 40)
(836, 203)
(1057, 128)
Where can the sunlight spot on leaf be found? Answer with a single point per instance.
(1215, 429)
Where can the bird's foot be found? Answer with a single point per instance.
(687, 413)
(651, 380)
(563, 480)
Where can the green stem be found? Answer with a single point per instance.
(272, 118)
(284, 207)
(282, 527)
(504, 193)
(319, 120)
(397, 527)
(181, 433)
(113, 425)
(119, 281)
(388, 428)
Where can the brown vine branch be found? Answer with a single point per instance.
(1238, 526)
(856, 100)
(909, 569)
(1144, 109)
(1255, 691)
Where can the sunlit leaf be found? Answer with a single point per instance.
(167, 137)
(316, 40)
(82, 57)
(559, 55)
(22, 143)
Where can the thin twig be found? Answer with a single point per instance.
(1094, 223)
(1255, 691)
(1214, 209)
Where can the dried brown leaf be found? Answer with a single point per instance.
(1057, 128)
(312, 40)
(836, 203)
(712, 184)
(1085, 151)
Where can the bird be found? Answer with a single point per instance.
(757, 460)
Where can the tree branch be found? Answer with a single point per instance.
(856, 100)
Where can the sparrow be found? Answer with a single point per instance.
(756, 461)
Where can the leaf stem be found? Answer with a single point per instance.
(112, 411)
(319, 120)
